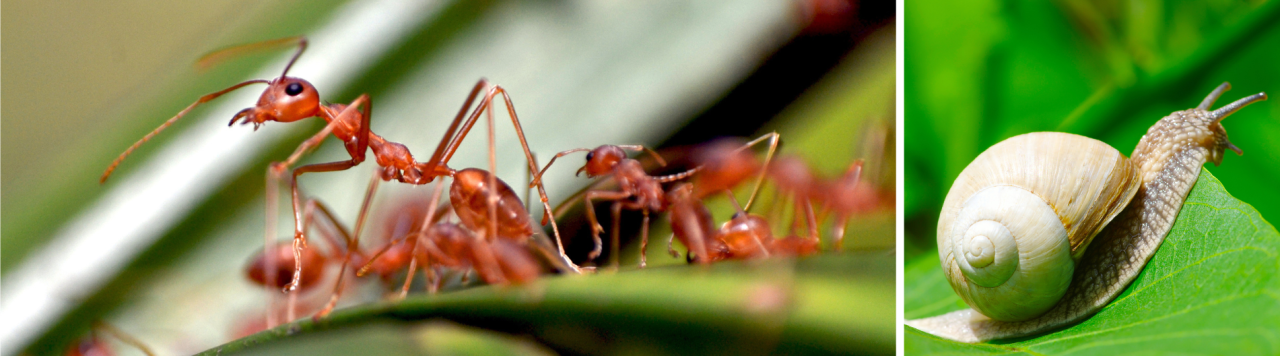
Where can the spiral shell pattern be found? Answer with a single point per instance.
(1020, 216)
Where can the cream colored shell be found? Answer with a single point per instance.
(1022, 213)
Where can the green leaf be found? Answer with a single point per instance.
(828, 304)
(1212, 288)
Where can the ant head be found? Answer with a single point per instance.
(602, 159)
(287, 99)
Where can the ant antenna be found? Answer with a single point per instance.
(205, 62)
(219, 55)
(122, 336)
(172, 120)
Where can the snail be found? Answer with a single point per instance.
(1044, 229)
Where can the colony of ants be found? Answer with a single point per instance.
(486, 228)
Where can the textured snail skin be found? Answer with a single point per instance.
(1169, 156)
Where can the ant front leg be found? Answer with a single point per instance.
(644, 229)
(277, 169)
(299, 239)
(357, 156)
(275, 173)
(596, 229)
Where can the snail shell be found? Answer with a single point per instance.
(1167, 162)
(1020, 215)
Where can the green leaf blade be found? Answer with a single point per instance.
(826, 304)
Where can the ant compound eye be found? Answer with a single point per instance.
(590, 155)
(293, 89)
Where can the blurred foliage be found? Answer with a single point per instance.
(982, 71)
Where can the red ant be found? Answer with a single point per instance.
(501, 259)
(289, 99)
(637, 190)
(273, 266)
(725, 163)
(743, 236)
(747, 236)
(852, 193)
(721, 167)
(691, 222)
(93, 345)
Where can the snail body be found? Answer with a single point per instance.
(1044, 229)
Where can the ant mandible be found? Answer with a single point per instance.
(289, 99)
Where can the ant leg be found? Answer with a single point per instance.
(676, 176)
(837, 233)
(672, 250)
(273, 195)
(492, 200)
(433, 280)
(446, 142)
(434, 251)
(616, 209)
(485, 262)
(317, 209)
(537, 180)
(278, 168)
(298, 236)
(408, 279)
(533, 162)
(764, 169)
(122, 336)
(291, 306)
(596, 229)
(528, 177)
(421, 230)
(362, 103)
(809, 218)
(353, 245)
(274, 174)
(413, 245)
(644, 236)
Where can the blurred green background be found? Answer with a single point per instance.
(983, 71)
(86, 80)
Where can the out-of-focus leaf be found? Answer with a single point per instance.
(826, 304)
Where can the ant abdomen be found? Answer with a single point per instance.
(313, 267)
(469, 195)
